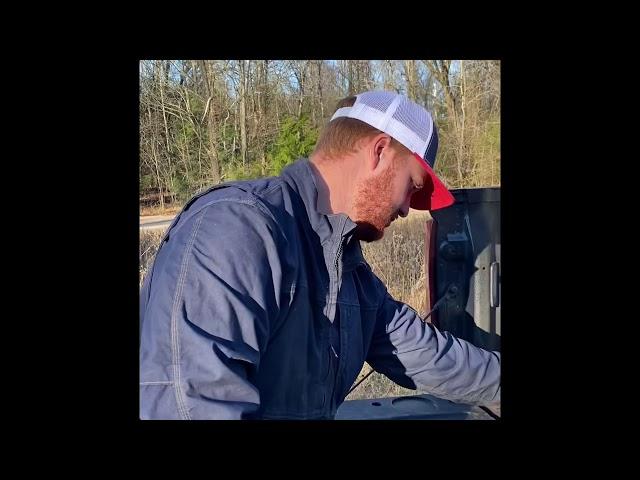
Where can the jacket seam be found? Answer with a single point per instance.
(175, 341)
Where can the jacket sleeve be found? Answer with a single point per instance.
(228, 297)
(415, 354)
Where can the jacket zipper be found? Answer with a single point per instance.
(337, 361)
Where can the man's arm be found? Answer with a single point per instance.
(415, 354)
(225, 302)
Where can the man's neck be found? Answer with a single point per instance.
(335, 184)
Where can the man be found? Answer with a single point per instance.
(260, 304)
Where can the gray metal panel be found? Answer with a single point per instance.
(467, 257)
(418, 407)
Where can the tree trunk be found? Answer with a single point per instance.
(320, 62)
(209, 80)
(440, 71)
(164, 117)
(262, 114)
(389, 80)
(243, 113)
(411, 73)
(300, 71)
(156, 164)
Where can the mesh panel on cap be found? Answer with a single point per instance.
(378, 100)
(414, 118)
(396, 115)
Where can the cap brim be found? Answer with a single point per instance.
(434, 195)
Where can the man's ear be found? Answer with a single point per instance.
(377, 158)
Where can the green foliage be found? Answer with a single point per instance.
(147, 181)
(174, 133)
(234, 171)
(296, 139)
(182, 186)
(227, 156)
(491, 137)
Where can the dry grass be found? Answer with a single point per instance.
(398, 259)
(149, 241)
(146, 211)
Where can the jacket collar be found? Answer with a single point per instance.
(331, 228)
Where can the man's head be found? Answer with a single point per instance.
(384, 147)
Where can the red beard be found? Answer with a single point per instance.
(373, 205)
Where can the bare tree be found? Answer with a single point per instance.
(440, 71)
(319, 65)
(411, 76)
(300, 69)
(202, 121)
(388, 75)
(208, 73)
(261, 112)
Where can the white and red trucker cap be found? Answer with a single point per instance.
(412, 126)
